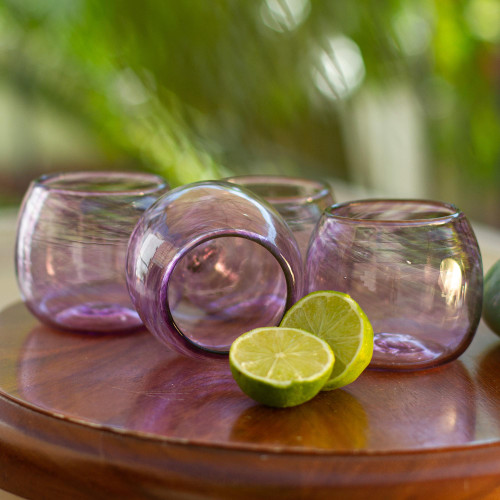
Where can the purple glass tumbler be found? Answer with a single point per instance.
(299, 201)
(414, 266)
(71, 248)
(208, 262)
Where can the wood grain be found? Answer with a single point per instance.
(120, 416)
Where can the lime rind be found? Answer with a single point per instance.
(339, 320)
(280, 367)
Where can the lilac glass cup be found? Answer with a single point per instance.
(208, 262)
(72, 236)
(415, 268)
(299, 201)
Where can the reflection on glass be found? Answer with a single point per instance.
(452, 282)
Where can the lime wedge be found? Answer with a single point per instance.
(336, 318)
(280, 366)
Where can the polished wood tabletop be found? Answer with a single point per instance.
(121, 416)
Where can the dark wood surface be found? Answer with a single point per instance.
(121, 416)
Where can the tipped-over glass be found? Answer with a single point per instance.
(208, 262)
(414, 267)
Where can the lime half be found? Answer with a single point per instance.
(336, 318)
(280, 366)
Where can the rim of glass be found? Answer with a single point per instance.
(183, 339)
(454, 212)
(152, 182)
(317, 189)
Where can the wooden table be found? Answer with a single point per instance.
(86, 416)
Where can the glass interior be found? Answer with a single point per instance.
(223, 288)
(393, 210)
(103, 182)
(278, 190)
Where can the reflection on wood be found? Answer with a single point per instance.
(110, 404)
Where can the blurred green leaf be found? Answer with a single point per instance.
(197, 89)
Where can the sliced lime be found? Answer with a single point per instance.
(280, 366)
(337, 319)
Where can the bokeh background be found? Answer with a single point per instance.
(400, 97)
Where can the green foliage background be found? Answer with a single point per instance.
(198, 89)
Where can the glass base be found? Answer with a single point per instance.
(98, 317)
(403, 351)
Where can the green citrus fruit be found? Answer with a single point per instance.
(491, 301)
(337, 319)
(280, 366)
